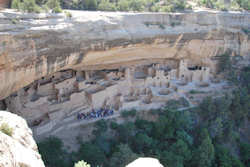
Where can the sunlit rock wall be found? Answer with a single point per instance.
(19, 149)
(36, 45)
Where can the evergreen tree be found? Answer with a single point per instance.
(92, 154)
(123, 156)
(142, 143)
(90, 5)
(52, 152)
(204, 155)
(245, 153)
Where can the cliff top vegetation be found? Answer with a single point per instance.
(56, 6)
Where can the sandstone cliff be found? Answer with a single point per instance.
(36, 45)
(20, 149)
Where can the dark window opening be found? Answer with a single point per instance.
(194, 68)
(110, 70)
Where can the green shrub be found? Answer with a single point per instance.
(26, 6)
(189, 7)
(156, 8)
(196, 91)
(14, 21)
(101, 127)
(57, 10)
(180, 4)
(92, 153)
(245, 4)
(169, 8)
(30, 6)
(123, 5)
(161, 26)
(245, 30)
(221, 6)
(175, 104)
(6, 129)
(54, 5)
(90, 4)
(15, 4)
(45, 8)
(123, 156)
(225, 63)
(130, 113)
(218, 4)
(105, 5)
(137, 5)
(245, 153)
(114, 125)
(174, 23)
(68, 14)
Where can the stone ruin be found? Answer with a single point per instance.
(66, 93)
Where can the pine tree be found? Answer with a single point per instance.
(204, 154)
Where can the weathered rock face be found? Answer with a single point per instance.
(19, 149)
(33, 46)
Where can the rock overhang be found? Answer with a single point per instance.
(41, 44)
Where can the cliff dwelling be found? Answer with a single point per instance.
(69, 94)
(95, 65)
(103, 82)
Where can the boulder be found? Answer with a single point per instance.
(18, 147)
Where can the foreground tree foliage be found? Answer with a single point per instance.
(81, 164)
(204, 154)
(245, 153)
(123, 156)
(92, 153)
(53, 154)
(224, 158)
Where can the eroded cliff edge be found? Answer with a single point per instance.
(18, 149)
(33, 46)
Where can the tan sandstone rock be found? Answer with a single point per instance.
(41, 44)
(20, 149)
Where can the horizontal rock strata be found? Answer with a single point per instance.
(37, 45)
